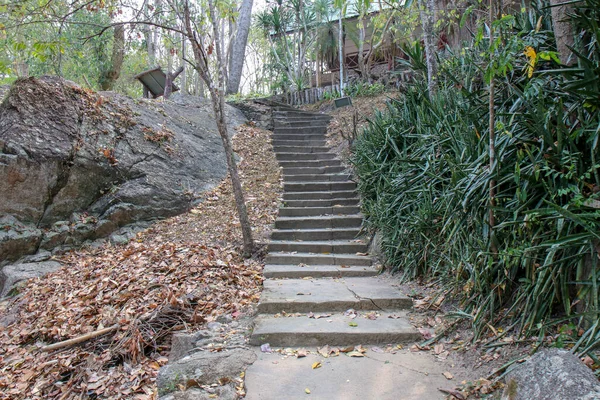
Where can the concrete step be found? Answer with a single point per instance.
(328, 195)
(300, 131)
(315, 234)
(289, 136)
(318, 186)
(287, 258)
(299, 115)
(323, 246)
(322, 203)
(313, 170)
(298, 142)
(320, 222)
(304, 122)
(330, 295)
(334, 330)
(285, 164)
(301, 149)
(314, 211)
(305, 156)
(317, 271)
(317, 178)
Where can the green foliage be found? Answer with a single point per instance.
(424, 177)
(360, 89)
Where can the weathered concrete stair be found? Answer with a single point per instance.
(317, 261)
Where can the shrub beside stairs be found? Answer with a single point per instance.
(318, 267)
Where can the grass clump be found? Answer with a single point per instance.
(424, 176)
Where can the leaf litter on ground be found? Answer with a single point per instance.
(179, 274)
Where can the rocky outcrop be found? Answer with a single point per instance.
(552, 374)
(15, 273)
(76, 165)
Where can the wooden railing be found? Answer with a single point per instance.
(310, 96)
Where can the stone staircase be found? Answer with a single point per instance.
(318, 267)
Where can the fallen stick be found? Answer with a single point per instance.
(80, 339)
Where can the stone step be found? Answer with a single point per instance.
(300, 131)
(314, 211)
(287, 258)
(317, 271)
(322, 203)
(301, 149)
(315, 234)
(343, 194)
(318, 186)
(285, 164)
(320, 222)
(323, 246)
(313, 170)
(334, 330)
(289, 136)
(298, 142)
(304, 122)
(317, 178)
(305, 156)
(298, 114)
(330, 295)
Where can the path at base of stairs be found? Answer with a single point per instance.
(378, 376)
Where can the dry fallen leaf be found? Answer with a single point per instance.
(301, 353)
(454, 393)
(355, 354)
(316, 365)
(448, 375)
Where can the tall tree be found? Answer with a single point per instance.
(427, 10)
(217, 95)
(112, 70)
(239, 47)
(563, 29)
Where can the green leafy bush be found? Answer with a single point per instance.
(424, 176)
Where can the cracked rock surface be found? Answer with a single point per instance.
(77, 165)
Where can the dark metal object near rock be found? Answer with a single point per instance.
(154, 81)
(553, 374)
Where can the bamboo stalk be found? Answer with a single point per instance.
(80, 339)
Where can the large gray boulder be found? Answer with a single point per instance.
(77, 165)
(15, 273)
(553, 374)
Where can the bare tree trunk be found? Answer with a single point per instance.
(184, 88)
(563, 30)
(217, 96)
(109, 76)
(238, 52)
(427, 22)
(361, 49)
(341, 53)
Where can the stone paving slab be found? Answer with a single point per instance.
(332, 329)
(401, 376)
(317, 271)
(324, 246)
(329, 294)
(315, 258)
(315, 234)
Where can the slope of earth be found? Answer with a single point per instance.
(179, 274)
